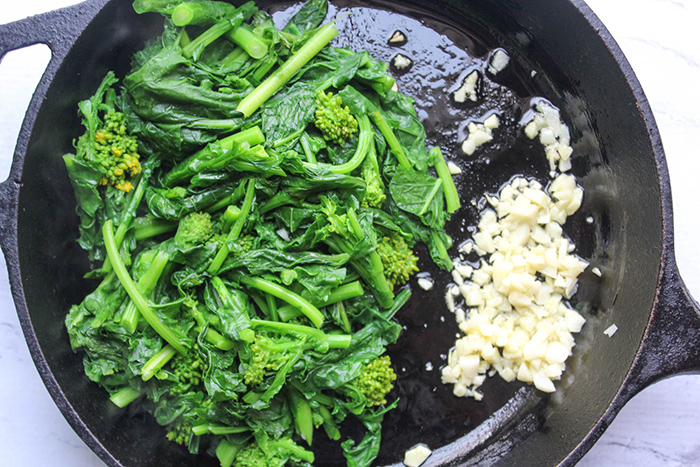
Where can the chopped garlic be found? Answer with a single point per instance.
(398, 39)
(479, 133)
(468, 89)
(554, 135)
(499, 61)
(453, 168)
(597, 272)
(518, 323)
(610, 331)
(402, 62)
(415, 456)
(425, 283)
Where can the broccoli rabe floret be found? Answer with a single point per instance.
(376, 380)
(277, 453)
(180, 431)
(375, 191)
(194, 229)
(398, 259)
(267, 356)
(116, 152)
(188, 369)
(336, 122)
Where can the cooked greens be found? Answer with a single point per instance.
(250, 198)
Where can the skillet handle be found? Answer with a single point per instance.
(59, 30)
(671, 345)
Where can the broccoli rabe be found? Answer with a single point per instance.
(276, 454)
(399, 261)
(375, 191)
(336, 122)
(116, 152)
(267, 356)
(188, 369)
(376, 380)
(194, 229)
(180, 432)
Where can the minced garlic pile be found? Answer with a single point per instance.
(517, 323)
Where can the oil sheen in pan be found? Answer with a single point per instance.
(443, 54)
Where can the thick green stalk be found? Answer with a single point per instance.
(195, 48)
(171, 336)
(286, 295)
(226, 452)
(129, 213)
(200, 430)
(200, 12)
(235, 229)
(334, 341)
(229, 217)
(203, 160)
(306, 146)
(343, 292)
(157, 362)
(301, 412)
(279, 77)
(147, 227)
(377, 280)
(391, 139)
(248, 41)
(448, 184)
(145, 285)
(125, 396)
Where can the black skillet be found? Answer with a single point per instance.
(620, 164)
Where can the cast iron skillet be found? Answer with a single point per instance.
(621, 167)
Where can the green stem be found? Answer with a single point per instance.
(171, 336)
(195, 48)
(436, 241)
(200, 430)
(272, 307)
(288, 312)
(334, 341)
(226, 452)
(291, 137)
(248, 41)
(129, 213)
(125, 396)
(377, 280)
(301, 413)
(208, 158)
(363, 146)
(286, 295)
(229, 217)
(343, 292)
(306, 146)
(391, 139)
(279, 77)
(448, 184)
(157, 362)
(329, 424)
(431, 196)
(145, 285)
(198, 13)
(147, 227)
(235, 229)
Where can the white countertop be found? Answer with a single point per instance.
(659, 427)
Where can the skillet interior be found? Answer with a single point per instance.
(615, 164)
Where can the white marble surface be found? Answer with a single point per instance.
(657, 428)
